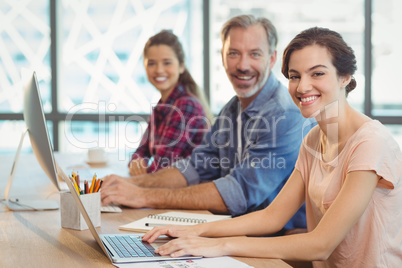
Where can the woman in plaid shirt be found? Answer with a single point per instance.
(180, 119)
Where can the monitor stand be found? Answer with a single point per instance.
(21, 204)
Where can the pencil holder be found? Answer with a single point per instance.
(70, 214)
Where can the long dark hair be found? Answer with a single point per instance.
(343, 57)
(168, 38)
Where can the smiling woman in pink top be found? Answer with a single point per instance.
(349, 174)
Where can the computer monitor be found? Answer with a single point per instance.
(36, 128)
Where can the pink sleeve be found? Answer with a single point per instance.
(378, 152)
(308, 153)
(301, 163)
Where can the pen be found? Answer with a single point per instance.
(75, 182)
(77, 179)
(76, 187)
(149, 224)
(93, 184)
(97, 185)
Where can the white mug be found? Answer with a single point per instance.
(96, 155)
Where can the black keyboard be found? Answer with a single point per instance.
(129, 246)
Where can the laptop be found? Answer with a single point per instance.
(119, 248)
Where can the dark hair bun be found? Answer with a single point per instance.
(352, 85)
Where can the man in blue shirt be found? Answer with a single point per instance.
(250, 151)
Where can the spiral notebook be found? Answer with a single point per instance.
(173, 217)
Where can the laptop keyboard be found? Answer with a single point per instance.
(129, 246)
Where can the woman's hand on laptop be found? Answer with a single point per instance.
(195, 246)
(170, 230)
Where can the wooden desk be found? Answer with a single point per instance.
(36, 239)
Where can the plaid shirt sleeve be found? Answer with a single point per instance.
(183, 130)
(143, 150)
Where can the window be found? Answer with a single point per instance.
(387, 55)
(370, 27)
(24, 43)
(97, 65)
(102, 44)
(289, 17)
(88, 58)
(101, 68)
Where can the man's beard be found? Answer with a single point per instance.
(247, 94)
(254, 90)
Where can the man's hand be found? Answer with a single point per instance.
(152, 191)
(119, 190)
(137, 167)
